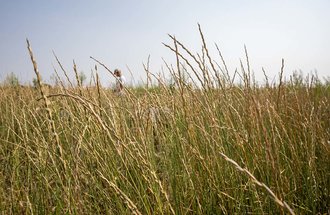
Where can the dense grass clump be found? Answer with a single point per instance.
(207, 146)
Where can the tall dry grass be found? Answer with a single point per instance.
(203, 146)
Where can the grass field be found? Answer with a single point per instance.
(219, 148)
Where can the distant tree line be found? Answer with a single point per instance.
(12, 80)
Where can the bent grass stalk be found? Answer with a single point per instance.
(244, 170)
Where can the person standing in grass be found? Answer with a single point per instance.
(120, 81)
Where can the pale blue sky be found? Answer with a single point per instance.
(121, 33)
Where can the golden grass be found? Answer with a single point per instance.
(167, 149)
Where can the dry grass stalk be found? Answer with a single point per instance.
(209, 58)
(98, 86)
(188, 63)
(77, 78)
(122, 195)
(62, 68)
(44, 97)
(272, 194)
(280, 84)
(147, 70)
